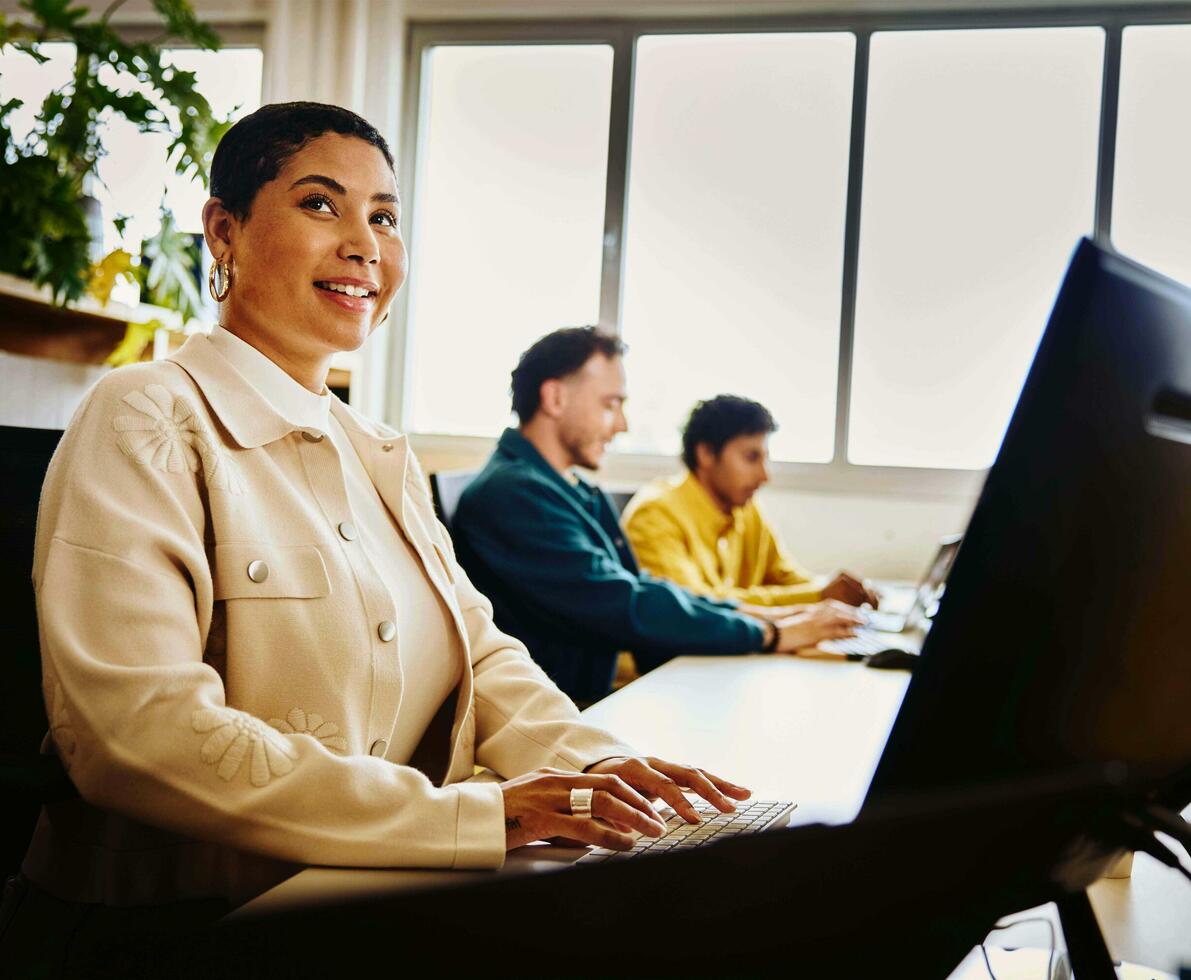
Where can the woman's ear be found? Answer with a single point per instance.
(218, 223)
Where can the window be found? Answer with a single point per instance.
(979, 178)
(508, 234)
(1151, 210)
(735, 232)
(875, 265)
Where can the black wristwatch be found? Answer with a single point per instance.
(773, 640)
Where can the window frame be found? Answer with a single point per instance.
(838, 475)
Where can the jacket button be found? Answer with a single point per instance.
(386, 630)
(377, 749)
(347, 531)
(312, 436)
(258, 571)
(387, 447)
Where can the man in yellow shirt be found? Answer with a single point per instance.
(703, 530)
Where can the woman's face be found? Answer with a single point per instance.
(320, 256)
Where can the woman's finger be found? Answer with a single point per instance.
(661, 785)
(615, 786)
(728, 788)
(624, 817)
(693, 779)
(589, 832)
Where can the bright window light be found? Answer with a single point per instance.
(979, 178)
(1151, 211)
(508, 240)
(734, 245)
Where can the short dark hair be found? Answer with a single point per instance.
(718, 421)
(557, 355)
(255, 149)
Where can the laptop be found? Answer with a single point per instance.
(885, 629)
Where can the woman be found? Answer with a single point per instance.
(258, 649)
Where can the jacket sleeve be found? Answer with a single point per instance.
(785, 580)
(523, 721)
(142, 723)
(540, 548)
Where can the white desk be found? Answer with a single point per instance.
(789, 728)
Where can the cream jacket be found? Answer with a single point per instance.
(218, 659)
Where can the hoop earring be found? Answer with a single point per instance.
(219, 281)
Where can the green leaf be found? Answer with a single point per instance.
(168, 263)
(45, 235)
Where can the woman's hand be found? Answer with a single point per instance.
(829, 620)
(538, 807)
(667, 780)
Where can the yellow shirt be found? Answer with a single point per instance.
(680, 534)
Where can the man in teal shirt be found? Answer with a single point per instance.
(545, 545)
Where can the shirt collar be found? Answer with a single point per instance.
(299, 406)
(703, 509)
(250, 419)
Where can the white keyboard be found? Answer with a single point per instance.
(749, 818)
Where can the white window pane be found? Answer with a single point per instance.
(1151, 211)
(979, 177)
(734, 245)
(510, 220)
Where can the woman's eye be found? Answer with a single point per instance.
(386, 218)
(318, 203)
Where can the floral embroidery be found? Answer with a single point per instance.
(221, 472)
(61, 729)
(298, 722)
(232, 735)
(169, 436)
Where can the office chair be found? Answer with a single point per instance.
(620, 500)
(446, 487)
(27, 778)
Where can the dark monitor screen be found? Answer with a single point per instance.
(1064, 634)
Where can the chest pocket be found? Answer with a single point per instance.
(258, 570)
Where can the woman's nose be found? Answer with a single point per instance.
(359, 244)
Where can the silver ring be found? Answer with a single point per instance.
(581, 802)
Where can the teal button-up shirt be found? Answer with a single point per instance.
(562, 577)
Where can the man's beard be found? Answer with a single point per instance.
(576, 447)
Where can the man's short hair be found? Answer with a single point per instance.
(718, 421)
(557, 355)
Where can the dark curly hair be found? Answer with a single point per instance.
(557, 355)
(718, 421)
(255, 149)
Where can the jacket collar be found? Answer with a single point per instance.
(249, 417)
(513, 443)
(710, 521)
(244, 412)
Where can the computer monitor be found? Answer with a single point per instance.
(1064, 635)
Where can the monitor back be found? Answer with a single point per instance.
(1064, 635)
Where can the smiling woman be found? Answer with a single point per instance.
(258, 648)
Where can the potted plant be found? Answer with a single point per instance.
(47, 216)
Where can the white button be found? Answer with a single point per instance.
(258, 571)
(386, 630)
(347, 531)
(378, 748)
(312, 436)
